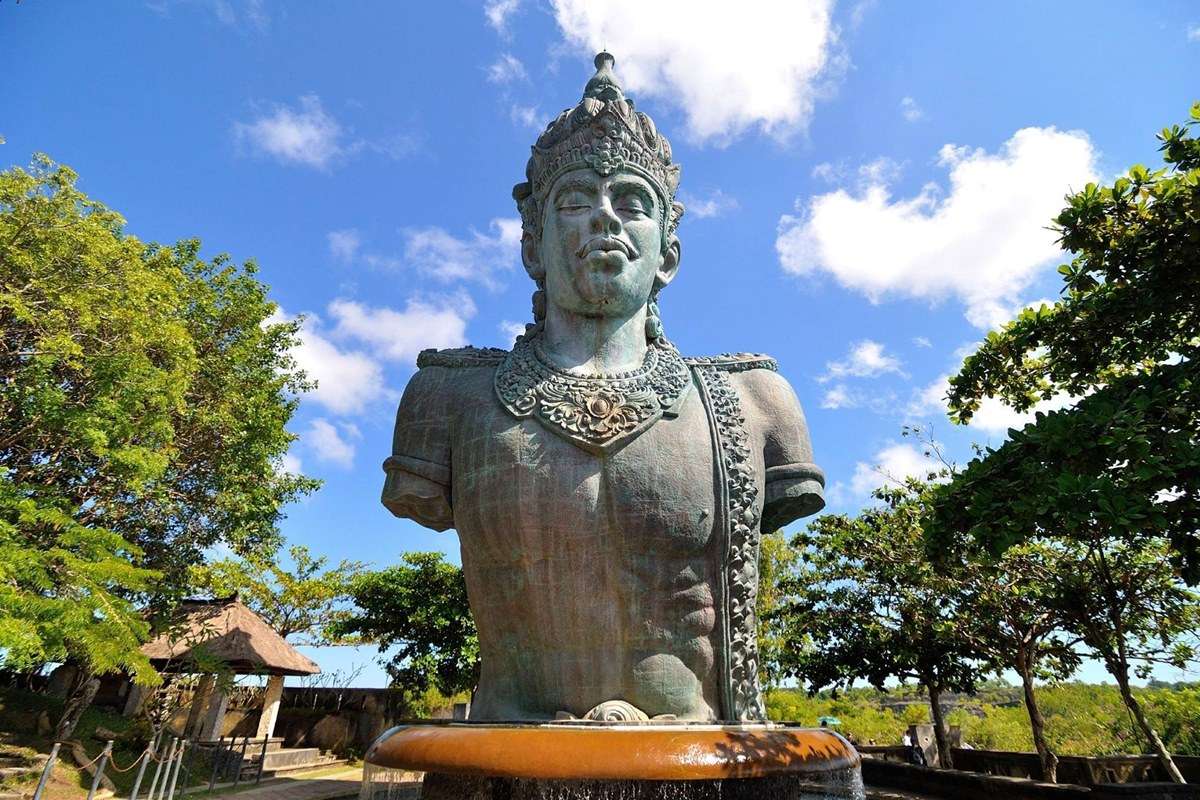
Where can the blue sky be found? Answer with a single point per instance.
(867, 182)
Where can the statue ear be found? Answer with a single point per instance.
(670, 264)
(531, 257)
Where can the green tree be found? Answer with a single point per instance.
(1118, 473)
(1131, 612)
(143, 398)
(869, 605)
(1014, 621)
(1124, 339)
(304, 601)
(419, 608)
(776, 560)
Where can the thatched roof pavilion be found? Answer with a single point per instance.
(224, 629)
(227, 630)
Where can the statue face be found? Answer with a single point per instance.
(601, 250)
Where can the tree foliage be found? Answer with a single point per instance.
(143, 398)
(1123, 338)
(1115, 478)
(304, 601)
(870, 606)
(776, 561)
(419, 611)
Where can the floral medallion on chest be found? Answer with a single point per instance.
(598, 413)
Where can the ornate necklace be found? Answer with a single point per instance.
(598, 413)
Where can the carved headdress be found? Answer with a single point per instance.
(605, 133)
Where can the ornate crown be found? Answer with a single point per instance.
(603, 132)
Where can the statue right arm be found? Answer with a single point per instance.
(418, 471)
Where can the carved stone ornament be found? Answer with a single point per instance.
(742, 695)
(597, 413)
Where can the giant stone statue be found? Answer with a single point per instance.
(609, 493)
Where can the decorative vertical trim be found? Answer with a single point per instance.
(741, 695)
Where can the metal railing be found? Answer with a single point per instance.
(174, 761)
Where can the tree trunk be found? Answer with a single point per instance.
(1038, 726)
(945, 760)
(83, 691)
(1156, 743)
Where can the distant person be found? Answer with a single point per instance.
(913, 750)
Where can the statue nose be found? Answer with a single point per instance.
(605, 220)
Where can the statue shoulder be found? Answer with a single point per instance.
(458, 357)
(734, 362)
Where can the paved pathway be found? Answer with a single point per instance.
(326, 787)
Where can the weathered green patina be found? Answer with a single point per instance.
(609, 493)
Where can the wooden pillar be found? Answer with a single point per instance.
(195, 718)
(270, 709)
(214, 720)
(133, 700)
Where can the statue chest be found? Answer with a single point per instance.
(521, 492)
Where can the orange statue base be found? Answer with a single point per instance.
(592, 760)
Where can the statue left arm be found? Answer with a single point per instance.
(795, 486)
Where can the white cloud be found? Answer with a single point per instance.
(528, 117)
(922, 341)
(1193, 33)
(498, 12)
(983, 242)
(476, 257)
(729, 70)
(993, 417)
(838, 397)
(347, 380)
(910, 110)
(865, 359)
(890, 466)
(331, 443)
(716, 204)
(306, 135)
(290, 464)
(511, 330)
(827, 172)
(401, 335)
(506, 69)
(344, 244)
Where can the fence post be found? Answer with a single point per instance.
(187, 767)
(41, 787)
(151, 748)
(217, 757)
(175, 774)
(100, 765)
(237, 775)
(158, 770)
(262, 760)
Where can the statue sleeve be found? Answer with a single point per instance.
(795, 485)
(418, 471)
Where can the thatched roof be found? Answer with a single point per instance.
(225, 629)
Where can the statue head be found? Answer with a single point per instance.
(598, 208)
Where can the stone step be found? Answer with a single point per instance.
(255, 745)
(328, 761)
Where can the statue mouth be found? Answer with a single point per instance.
(606, 244)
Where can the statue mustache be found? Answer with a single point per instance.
(607, 243)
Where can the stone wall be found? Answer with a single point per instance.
(342, 721)
(952, 784)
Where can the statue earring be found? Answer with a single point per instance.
(539, 303)
(654, 329)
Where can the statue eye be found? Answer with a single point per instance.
(633, 205)
(573, 201)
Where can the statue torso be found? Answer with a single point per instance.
(592, 577)
(602, 571)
